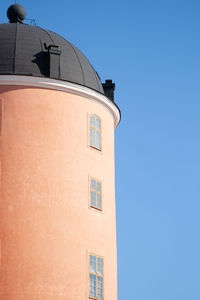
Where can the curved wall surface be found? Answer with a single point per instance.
(47, 227)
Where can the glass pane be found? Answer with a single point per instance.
(92, 263)
(98, 139)
(100, 265)
(92, 121)
(92, 285)
(92, 137)
(98, 186)
(93, 198)
(93, 184)
(98, 123)
(99, 287)
(98, 201)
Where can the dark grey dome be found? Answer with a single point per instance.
(33, 51)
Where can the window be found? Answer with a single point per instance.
(96, 277)
(95, 193)
(95, 132)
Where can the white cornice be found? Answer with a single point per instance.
(64, 86)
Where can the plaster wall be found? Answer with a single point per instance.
(47, 228)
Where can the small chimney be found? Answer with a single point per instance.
(109, 88)
(54, 60)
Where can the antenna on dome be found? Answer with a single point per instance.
(32, 21)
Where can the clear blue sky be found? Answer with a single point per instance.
(151, 49)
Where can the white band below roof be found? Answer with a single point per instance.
(64, 86)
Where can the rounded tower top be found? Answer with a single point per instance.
(33, 51)
(16, 13)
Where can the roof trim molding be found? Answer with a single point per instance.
(63, 86)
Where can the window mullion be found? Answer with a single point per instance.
(96, 276)
(95, 131)
(96, 286)
(96, 193)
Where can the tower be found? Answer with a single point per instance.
(57, 205)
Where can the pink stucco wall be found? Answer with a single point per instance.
(47, 228)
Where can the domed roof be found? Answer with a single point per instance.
(33, 51)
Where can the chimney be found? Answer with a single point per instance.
(109, 88)
(54, 60)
